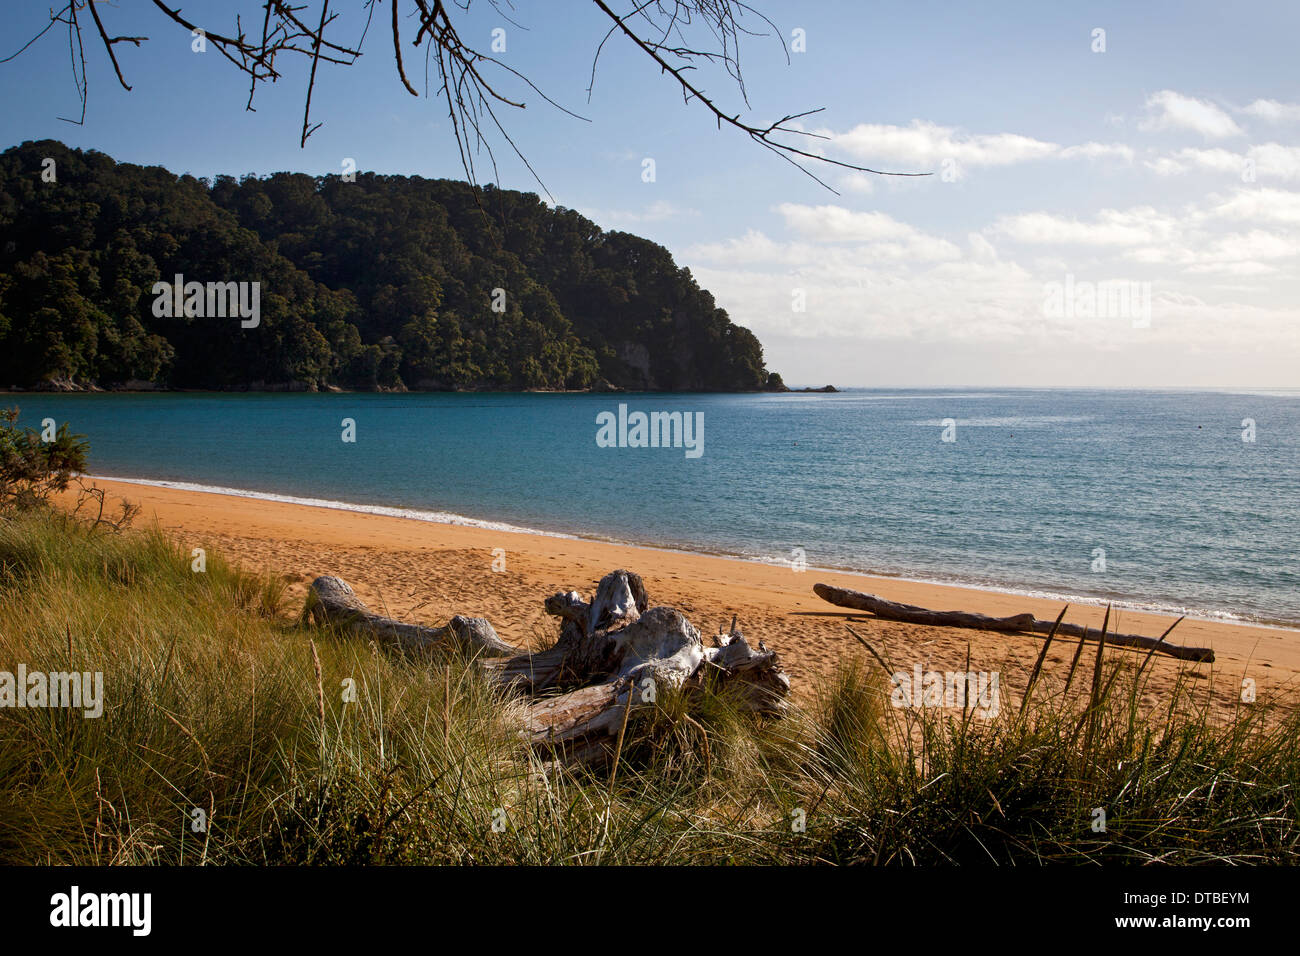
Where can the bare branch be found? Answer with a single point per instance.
(315, 59)
(108, 44)
(760, 135)
(677, 35)
(397, 51)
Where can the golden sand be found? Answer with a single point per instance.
(422, 571)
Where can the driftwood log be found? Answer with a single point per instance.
(1019, 623)
(331, 601)
(613, 654)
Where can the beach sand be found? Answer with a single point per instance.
(425, 572)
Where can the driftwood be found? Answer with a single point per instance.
(331, 601)
(613, 654)
(617, 652)
(892, 611)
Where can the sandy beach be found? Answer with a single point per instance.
(422, 571)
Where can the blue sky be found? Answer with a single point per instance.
(1166, 167)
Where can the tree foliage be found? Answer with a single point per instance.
(32, 469)
(384, 282)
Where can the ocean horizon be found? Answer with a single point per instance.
(1170, 500)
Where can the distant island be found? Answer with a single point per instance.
(386, 283)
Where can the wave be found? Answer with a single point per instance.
(416, 514)
(1017, 421)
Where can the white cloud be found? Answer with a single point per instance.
(963, 301)
(864, 184)
(837, 224)
(927, 144)
(1172, 110)
(1218, 160)
(897, 243)
(1274, 111)
(924, 146)
(1222, 261)
(880, 235)
(1267, 160)
(1252, 246)
(980, 248)
(1111, 227)
(751, 248)
(1099, 151)
(1272, 159)
(1260, 205)
(660, 210)
(1232, 268)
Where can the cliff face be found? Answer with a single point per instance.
(637, 359)
(385, 282)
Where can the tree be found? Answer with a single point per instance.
(32, 469)
(678, 36)
(387, 282)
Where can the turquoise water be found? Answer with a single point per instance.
(1189, 515)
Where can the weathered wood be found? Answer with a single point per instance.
(578, 712)
(620, 599)
(1203, 655)
(1018, 623)
(614, 654)
(892, 611)
(331, 601)
(585, 650)
(755, 674)
(634, 652)
(577, 727)
(617, 642)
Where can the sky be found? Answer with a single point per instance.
(1114, 198)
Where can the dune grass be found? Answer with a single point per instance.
(232, 734)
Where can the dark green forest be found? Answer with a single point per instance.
(386, 282)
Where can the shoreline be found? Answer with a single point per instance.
(298, 388)
(1124, 603)
(423, 571)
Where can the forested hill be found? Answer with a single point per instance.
(386, 282)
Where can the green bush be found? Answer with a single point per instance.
(32, 468)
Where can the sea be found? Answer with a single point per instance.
(1172, 500)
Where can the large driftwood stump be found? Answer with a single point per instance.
(613, 655)
(617, 652)
(331, 601)
(907, 613)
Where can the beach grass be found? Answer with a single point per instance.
(232, 733)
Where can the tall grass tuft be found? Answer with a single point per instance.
(233, 734)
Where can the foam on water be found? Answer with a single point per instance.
(1194, 511)
(442, 517)
(415, 514)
